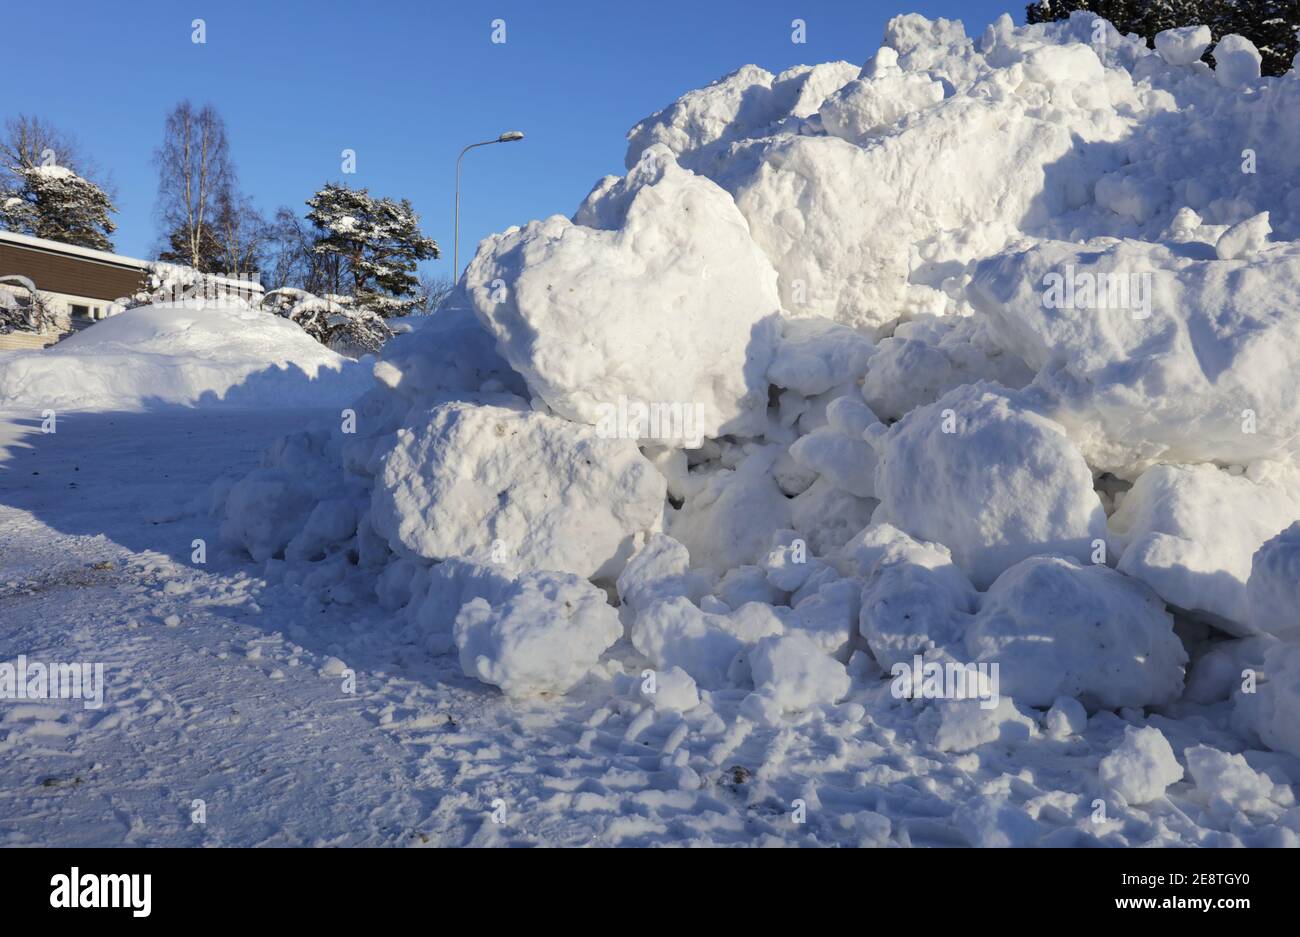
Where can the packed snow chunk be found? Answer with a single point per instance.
(1067, 717)
(1273, 589)
(517, 487)
(297, 480)
(988, 477)
(727, 109)
(661, 569)
(1191, 533)
(674, 633)
(1059, 629)
(1227, 783)
(816, 355)
(829, 616)
(927, 357)
(863, 108)
(1154, 353)
(700, 126)
(965, 724)
(908, 607)
(745, 584)
(652, 315)
(1183, 45)
(845, 461)
(789, 564)
(265, 510)
(447, 352)
(796, 673)
(827, 516)
(1236, 61)
(1141, 766)
(450, 586)
(994, 822)
(542, 636)
(1271, 711)
(219, 355)
(915, 597)
(1245, 239)
(674, 691)
(730, 520)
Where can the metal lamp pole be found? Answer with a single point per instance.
(510, 136)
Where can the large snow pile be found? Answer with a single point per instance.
(980, 356)
(221, 354)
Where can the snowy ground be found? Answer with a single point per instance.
(233, 703)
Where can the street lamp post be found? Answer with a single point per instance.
(510, 136)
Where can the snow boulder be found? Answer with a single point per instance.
(795, 672)
(1270, 711)
(815, 355)
(651, 315)
(660, 570)
(1055, 628)
(1191, 533)
(1236, 61)
(963, 725)
(1273, 589)
(1141, 766)
(988, 477)
(542, 636)
(1183, 45)
(1227, 783)
(675, 633)
(914, 598)
(1154, 353)
(514, 486)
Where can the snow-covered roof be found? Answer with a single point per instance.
(104, 257)
(58, 247)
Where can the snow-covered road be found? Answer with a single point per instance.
(224, 688)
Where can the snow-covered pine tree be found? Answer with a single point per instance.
(1270, 24)
(54, 202)
(368, 248)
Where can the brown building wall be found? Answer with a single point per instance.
(61, 273)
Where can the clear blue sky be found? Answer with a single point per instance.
(406, 85)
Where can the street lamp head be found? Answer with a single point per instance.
(510, 136)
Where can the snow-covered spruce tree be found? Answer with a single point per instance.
(1270, 24)
(368, 248)
(54, 202)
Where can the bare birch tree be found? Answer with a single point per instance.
(194, 175)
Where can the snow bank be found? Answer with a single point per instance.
(849, 369)
(155, 356)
